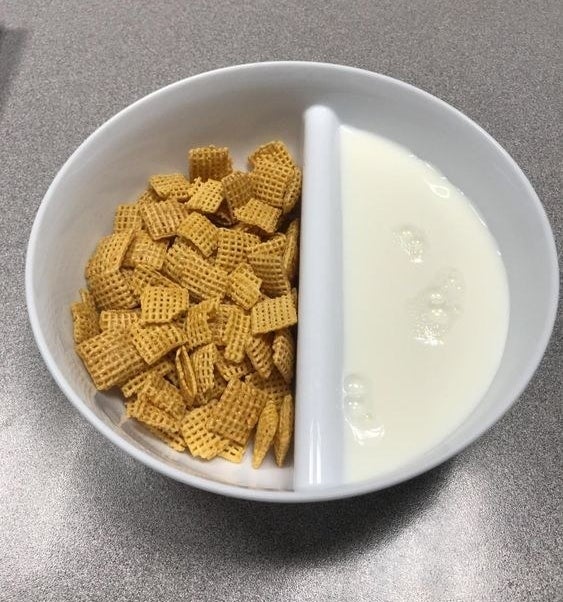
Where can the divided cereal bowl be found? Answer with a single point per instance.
(304, 105)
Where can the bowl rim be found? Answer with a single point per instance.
(270, 495)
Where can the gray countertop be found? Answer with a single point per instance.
(79, 519)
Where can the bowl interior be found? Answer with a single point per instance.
(242, 107)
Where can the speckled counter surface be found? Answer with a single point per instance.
(79, 519)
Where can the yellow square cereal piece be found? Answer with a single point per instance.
(111, 290)
(273, 314)
(110, 359)
(178, 255)
(214, 393)
(237, 189)
(259, 351)
(127, 217)
(154, 341)
(143, 250)
(231, 370)
(260, 214)
(244, 286)
(274, 246)
(265, 432)
(275, 151)
(148, 196)
(161, 304)
(142, 410)
(197, 327)
(234, 452)
(163, 395)
(201, 442)
(207, 198)
(173, 440)
(203, 279)
(291, 251)
(118, 319)
(163, 218)
(282, 438)
(109, 253)
(209, 162)
(186, 375)
(84, 319)
(143, 276)
(274, 386)
(236, 335)
(135, 384)
(237, 412)
(284, 354)
(232, 246)
(270, 269)
(219, 323)
(200, 231)
(170, 185)
(293, 192)
(203, 361)
(271, 181)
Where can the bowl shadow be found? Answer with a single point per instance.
(178, 517)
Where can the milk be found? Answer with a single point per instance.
(425, 307)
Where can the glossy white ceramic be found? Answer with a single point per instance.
(242, 107)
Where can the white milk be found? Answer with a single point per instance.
(425, 305)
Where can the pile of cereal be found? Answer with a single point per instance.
(191, 305)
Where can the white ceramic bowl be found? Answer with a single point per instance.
(242, 107)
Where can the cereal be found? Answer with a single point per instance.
(207, 198)
(170, 185)
(85, 322)
(186, 375)
(271, 181)
(109, 253)
(259, 351)
(144, 276)
(257, 213)
(284, 354)
(237, 412)
(154, 341)
(275, 151)
(232, 246)
(265, 432)
(162, 304)
(202, 442)
(270, 269)
(197, 323)
(143, 250)
(274, 386)
(284, 432)
(291, 250)
(110, 359)
(237, 189)
(200, 231)
(273, 314)
(118, 319)
(293, 192)
(162, 219)
(203, 360)
(190, 303)
(244, 286)
(209, 162)
(135, 384)
(236, 335)
(127, 217)
(111, 290)
(163, 395)
(203, 279)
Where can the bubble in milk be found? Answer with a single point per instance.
(412, 241)
(437, 307)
